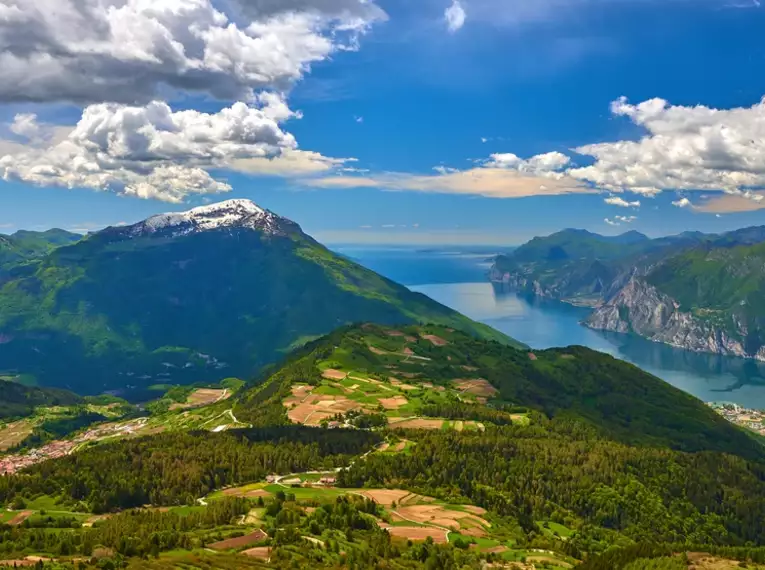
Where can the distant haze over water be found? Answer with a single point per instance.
(457, 278)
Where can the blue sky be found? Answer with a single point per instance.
(381, 95)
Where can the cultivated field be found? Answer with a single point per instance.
(239, 541)
(203, 397)
(438, 535)
(14, 433)
(262, 552)
(395, 374)
(250, 491)
(476, 386)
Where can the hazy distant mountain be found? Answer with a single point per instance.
(216, 291)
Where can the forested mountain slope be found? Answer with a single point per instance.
(17, 400)
(566, 452)
(214, 292)
(695, 291)
(24, 245)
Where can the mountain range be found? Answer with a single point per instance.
(702, 292)
(217, 291)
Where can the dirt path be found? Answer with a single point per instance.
(20, 518)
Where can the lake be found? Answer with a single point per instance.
(457, 278)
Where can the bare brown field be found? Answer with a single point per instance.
(475, 510)
(419, 423)
(393, 403)
(205, 396)
(18, 563)
(243, 492)
(386, 497)
(704, 561)
(435, 340)
(383, 446)
(262, 552)
(408, 351)
(20, 518)
(202, 397)
(394, 333)
(301, 391)
(14, 433)
(333, 374)
(305, 407)
(495, 549)
(375, 350)
(475, 386)
(401, 445)
(548, 560)
(239, 541)
(439, 515)
(532, 356)
(417, 533)
(400, 385)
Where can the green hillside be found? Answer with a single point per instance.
(617, 399)
(554, 458)
(574, 244)
(119, 309)
(24, 245)
(18, 401)
(724, 286)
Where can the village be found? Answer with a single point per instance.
(10, 464)
(744, 417)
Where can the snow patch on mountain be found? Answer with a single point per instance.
(231, 213)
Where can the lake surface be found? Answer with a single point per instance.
(457, 278)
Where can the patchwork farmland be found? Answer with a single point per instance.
(405, 378)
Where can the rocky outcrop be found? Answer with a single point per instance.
(641, 309)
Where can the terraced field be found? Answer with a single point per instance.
(403, 377)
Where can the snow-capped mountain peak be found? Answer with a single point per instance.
(237, 213)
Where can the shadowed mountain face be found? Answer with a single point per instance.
(217, 291)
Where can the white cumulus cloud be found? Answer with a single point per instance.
(611, 222)
(684, 148)
(132, 50)
(455, 16)
(621, 202)
(683, 203)
(626, 219)
(152, 151)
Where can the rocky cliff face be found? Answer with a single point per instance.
(589, 288)
(641, 309)
(522, 283)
